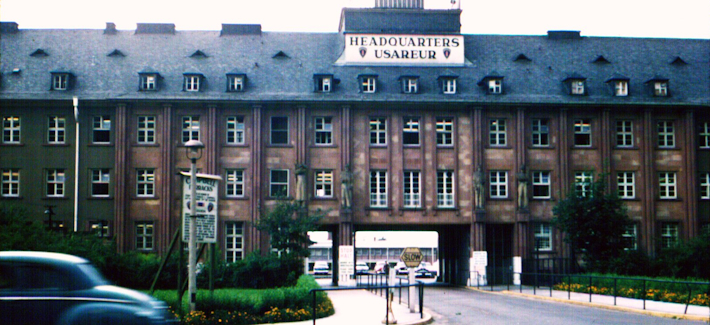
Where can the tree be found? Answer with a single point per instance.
(594, 224)
(288, 224)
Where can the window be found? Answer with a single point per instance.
(378, 131)
(235, 183)
(10, 182)
(667, 185)
(583, 133)
(410, 85)
(60, 81)
(100, 228)
(235, 83)
(11, 129)
(412, 189)
(498, 184)
(279, 130)
(234, 241)
(495, 86)
(577, 87)
(368, 84)
(192, 82)
(625, 134)
(705, 186)
(323, 83)
(705, 229)
(146, 129)
(666, 134)
(621, 88)
(145, 182)
(324, 184)
(235, 130)
(669, 234)
(583, 183)
(704, 136)
(190, 128)
(660, 88)
(625, 185)
(278, 183)
(324, 130)
(410, 132)
(445, 189)
(378, 189)
(543, 237)
(541, 185)
(149, 82)
(56, 130)
(144, 235)
(444, 131)
(449, 86)
(497, 132)
(101, 129)
(55, 183)
(540, 133)
(100, 180)
(630, 237)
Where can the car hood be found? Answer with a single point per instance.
(122, 293)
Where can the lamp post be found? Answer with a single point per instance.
(193, 152)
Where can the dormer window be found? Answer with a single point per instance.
(659, 86)
(410, 84)
(448, 83)
(577, 87)
(368, 83)
(61, 80)
(323, 83)
(576, 84)
(619, 84)
(236, 82)
(148, 81)
(192, 82)
(492, 83)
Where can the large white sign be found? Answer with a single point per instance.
(206, 207)
(346, 255)
(387, 49)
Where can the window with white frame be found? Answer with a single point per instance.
(449, 86)
(445, 189)
(583, 133)
(577, 87)
(705, 229)
(444, 131)
(56, 130)
(101, 129)
(541, 185)
(11, 129)
(498, 184)
(145, 182)
(100, 182)
(368, 84)
(323, 83)
(234, 241)
(666, 134)
(11, 182)
(497, 135)
(192, 82)
(324, 130)
(323, 183)
(543, 237)
(60, 81)
(146, 129)
(144, 235)
(540, 133)
(630, 237)
(235, 83)
(624, 133)
(278, 183)
(235, 129)
(667, 185)
(190, 128)
(621, 88)
(669, 234)
(495, 86)
(100, 228)
(626, 185)
(149, 81)
(279, 130)
(704, 136)
(583, 183)
(55, 180)
(234, 184)
(410, 85)
(412, 189)
(410, 131)
(705, 186)
(660, 88)
(378, 131)
(378, 189)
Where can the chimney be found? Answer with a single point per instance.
(110, 29)
(8, 27)
(240, 29)
(145, 28)
(563, 34)
(399, 4)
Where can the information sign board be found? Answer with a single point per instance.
(411, 256)
(206, 208)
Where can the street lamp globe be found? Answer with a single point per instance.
(194, 149)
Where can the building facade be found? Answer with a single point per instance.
(396, 122)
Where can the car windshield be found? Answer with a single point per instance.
(92, 274)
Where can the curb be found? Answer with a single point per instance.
(598, 305)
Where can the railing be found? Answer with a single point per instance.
(642, 287)
(374, 283)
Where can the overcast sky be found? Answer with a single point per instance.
(628, 18)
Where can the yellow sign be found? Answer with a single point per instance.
(411, 256)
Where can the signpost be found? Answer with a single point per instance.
(412, 257)
(345, 263)
(206, 207)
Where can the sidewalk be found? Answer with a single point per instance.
(655, 308)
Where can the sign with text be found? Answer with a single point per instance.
(206, 207)
(480, 258)
(411, 256)
(346, 255)
(388, 49)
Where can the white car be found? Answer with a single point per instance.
(362, 268)
(321, 268)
